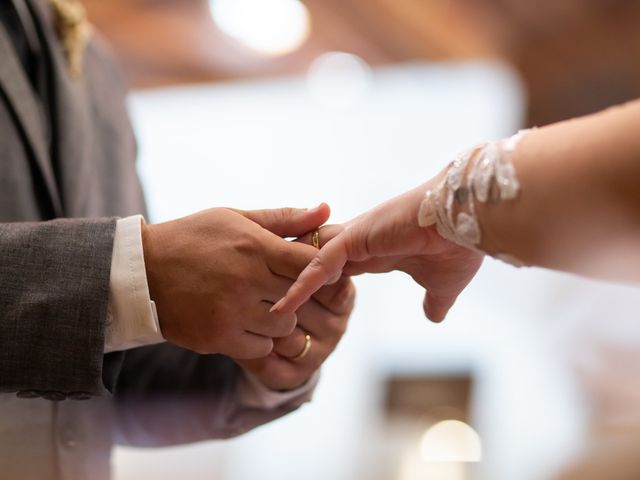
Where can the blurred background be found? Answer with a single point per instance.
(269, 103)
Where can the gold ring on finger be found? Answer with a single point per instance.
(315, 239)
(305, 349)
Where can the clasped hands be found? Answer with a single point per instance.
(228, 281)
(215, 276)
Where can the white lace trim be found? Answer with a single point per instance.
(484, 173)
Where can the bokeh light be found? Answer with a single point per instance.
(270, 27)
(339, 80)
(451, 441)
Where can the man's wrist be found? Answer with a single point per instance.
(132, 319)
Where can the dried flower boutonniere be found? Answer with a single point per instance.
(74, 30)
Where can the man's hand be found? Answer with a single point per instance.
(324, 319)
(215, 275)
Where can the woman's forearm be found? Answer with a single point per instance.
(571, 202)
(579, 204)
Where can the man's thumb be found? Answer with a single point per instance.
(290, 222)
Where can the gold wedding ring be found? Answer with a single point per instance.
(305, 349)
(315, 239)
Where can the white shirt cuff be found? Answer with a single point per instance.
(132, 320)
(251, 392)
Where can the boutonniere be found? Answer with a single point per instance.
(74, 30)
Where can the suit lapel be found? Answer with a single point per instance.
(22, 100)
(70, 116)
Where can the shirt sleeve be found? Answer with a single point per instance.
(132, 320)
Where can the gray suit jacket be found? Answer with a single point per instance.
(57, 222)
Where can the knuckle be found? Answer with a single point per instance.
(292, 322)
(318, 263)
(353, 241)
(250, 348)
(285, 325)
(246, 243)
(262, 348)
(337, 325)
(282, 215)
(279, 345)
(288, 212)
(319, 266)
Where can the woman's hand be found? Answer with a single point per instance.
(384, 239)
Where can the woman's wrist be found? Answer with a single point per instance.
(475, 180)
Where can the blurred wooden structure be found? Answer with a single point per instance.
(575, 56)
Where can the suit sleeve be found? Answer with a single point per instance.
(166, 395)
(54, 292)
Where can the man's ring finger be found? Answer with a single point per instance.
(305, 350)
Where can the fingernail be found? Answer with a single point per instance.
(276, 306)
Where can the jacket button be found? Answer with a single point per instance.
(79, 396)
(28, 394)
(54, 396)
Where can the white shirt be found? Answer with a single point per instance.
(132, 320)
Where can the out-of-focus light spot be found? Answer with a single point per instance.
(413, 467)
(339, 81)
(451, 441)
(270, 27)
